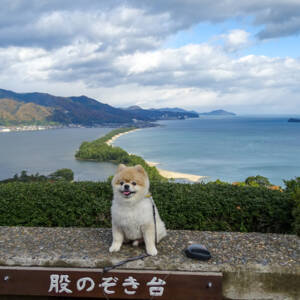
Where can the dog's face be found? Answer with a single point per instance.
(130, 183)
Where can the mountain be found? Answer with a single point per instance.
(71, 110)
(177, 109)
(133, 107)
(13, 112)
(219, 112)
(160, 114)
(18, 108)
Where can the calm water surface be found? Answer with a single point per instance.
(46, 151)
(230, 149)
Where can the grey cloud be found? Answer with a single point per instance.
(274, 30)
(272, 14)
(24, 23)
(53, 24)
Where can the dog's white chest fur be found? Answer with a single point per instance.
(132, 218)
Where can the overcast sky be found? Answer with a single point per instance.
(241, 56)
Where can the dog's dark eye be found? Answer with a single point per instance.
(133, 182)
(122, 182)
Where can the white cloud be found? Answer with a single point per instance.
(113, 51)
(194, 76)
(236, 40)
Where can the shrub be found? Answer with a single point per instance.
(182, 206)
(296, 211)
(62, 174)
(258, 180)
(293, 189)
(24, 177)
(291, 185)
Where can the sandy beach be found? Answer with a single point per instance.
(165, 173)
(111, 141)
(176, 175)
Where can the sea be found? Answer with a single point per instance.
(46, 151)
(225, 148)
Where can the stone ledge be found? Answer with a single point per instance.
(254, 265)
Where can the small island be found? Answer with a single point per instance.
(294, 120)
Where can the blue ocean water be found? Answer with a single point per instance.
(46, 151)
(230, 149)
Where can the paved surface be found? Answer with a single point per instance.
(88, 247)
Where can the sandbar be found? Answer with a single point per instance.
(165, 173)
(112, 140)
(176, 175)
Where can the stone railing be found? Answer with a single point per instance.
(250, 265)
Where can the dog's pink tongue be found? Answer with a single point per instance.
(126, 193)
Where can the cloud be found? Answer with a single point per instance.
(114, 50)
(275, 18)
(236, 40)
(124, 28)
(201, 74)
(132, 24)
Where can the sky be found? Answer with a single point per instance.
(241, 56)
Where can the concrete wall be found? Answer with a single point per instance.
(254, 265)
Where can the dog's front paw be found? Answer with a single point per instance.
(135, 243)
(114, 248)
(152, 251)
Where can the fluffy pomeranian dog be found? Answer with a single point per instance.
(132, 210)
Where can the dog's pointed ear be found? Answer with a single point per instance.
(121, 167)
(140, 169)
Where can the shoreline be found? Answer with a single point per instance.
(112, 140)
(176, 175)
(165, 173)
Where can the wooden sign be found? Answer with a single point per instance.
(118, 284)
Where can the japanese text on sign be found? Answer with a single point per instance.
(61, 283)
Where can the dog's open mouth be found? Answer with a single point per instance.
(127, 193)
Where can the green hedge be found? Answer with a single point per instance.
(296, 211)
(182, 206)
(293, 189)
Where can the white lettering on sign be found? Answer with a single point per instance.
(132, 282)
(156, 287)
(82, 282)
(108, 282)
(59, 283)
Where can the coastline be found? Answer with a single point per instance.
(111, 141)
(165, 173)
(176, 175)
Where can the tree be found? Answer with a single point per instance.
(62, 174)
(258, 181)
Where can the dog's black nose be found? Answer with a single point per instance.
(126, 187)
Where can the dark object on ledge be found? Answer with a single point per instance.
(294, 120)
(197, 251)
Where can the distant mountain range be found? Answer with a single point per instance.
(161, 113)
(177, 109)
(219, 112)
(25, 108)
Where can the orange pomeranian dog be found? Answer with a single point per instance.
(134, 214)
